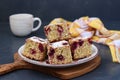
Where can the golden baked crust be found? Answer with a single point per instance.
(59, 54)
(35, 50)
(80, 48)
(57, 32)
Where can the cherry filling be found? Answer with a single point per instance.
(47, 29)
(41, 48)
(38, 39)
(47, 61)
(52, 51)
(74, 46)
(80, 42)
(60, 57)
(32, 51)
(60, 29)
(65, 43)
(90, 41)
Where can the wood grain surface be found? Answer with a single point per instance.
(62, 73)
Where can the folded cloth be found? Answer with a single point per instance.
(107, 37)
(93, 27)
(115, 50)
(80, 26)
(101, 40)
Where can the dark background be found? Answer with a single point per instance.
(107, 10)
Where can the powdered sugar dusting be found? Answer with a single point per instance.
(77, 38)
(59, 44)
(37, 39)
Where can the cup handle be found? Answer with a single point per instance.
(39, 24)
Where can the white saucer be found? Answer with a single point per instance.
(80, 61)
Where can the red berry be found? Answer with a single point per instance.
(60, 57)
(52, 51)
(41, 48)
(90, 41)
(65, 43)
(60, 29)
(74, 46)
(80, 42)
(47, 61)
(33, 51)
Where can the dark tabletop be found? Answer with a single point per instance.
(9, 44)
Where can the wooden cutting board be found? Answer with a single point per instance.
(62, 73)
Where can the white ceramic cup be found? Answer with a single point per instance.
(22, 24)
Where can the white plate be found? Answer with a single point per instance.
(80, 61)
